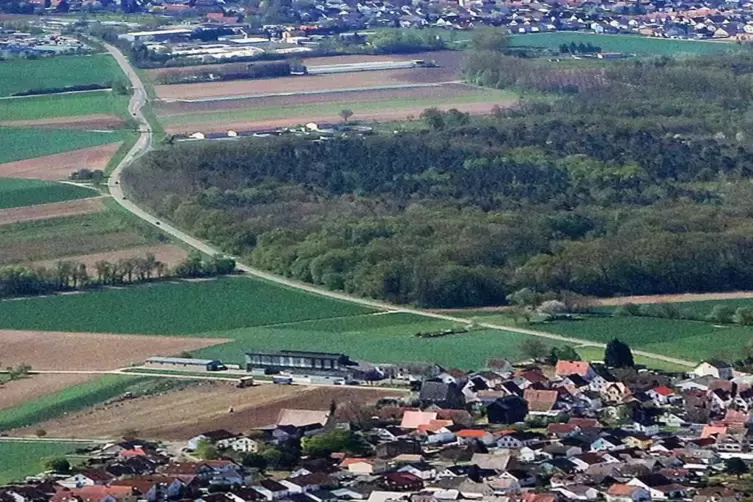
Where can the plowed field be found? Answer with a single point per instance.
(166, 253)
(54, 210)
(188, 412)
(52, 350)
(60, 165)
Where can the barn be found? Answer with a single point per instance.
(186, 364)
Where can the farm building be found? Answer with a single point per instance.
(293, 360)
(185, 364)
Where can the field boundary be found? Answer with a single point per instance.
(145, 143)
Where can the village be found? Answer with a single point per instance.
(576, 430)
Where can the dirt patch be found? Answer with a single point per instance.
(166, 253)
(47, 249)
(191, 411)
(305, 83)
(60, 165)
(35, 386)
(62, 351)
(92, 122)
(54, 210)
(686, 297)
(396, 114)
(437, 92)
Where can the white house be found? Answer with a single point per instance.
(619, 492)
(715, 368)
(241, 444)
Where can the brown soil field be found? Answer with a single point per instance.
(97, 122)
(687, 297)
(396, 114)
(443, 91)
(35, 386)
(452, 60)
(60, 165)
(305, 83)
(45, 249)
(190, 411)
(166, 253)
(51, 350)
(54, 210)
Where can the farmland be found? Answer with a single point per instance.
(631, 44)
(27, 458)
(367, 105)
(64, 351)
(198, 408)
(21, 75)
(173, 308)
(19, 192)
(51, 210)
(71, 399)
(68, 236)
(17, 143)
(166, 253)
(680, 338)
(387, 338)
(49, 106)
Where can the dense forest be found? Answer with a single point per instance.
(636, 181)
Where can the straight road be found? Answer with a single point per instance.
(144, 144)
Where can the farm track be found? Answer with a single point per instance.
(144, 144)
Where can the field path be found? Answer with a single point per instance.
(144, 144)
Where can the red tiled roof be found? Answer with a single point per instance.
(540, 400)
(94, 493)
(471, 433)
(621, 490)
(557, 428)
(663, 390)
(572, 368)
(710, 430)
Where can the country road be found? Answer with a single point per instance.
(145, 143)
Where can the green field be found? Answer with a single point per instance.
(16, 192)
(173, 308)
(20, 75)
(384, 338)
(597, 354)
(693, 340)
(19, 143)
(632, 44)
(72, 399)
(19, 459)
(72, 235)
(329, 111)
(63, 105)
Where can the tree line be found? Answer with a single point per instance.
(67, 275)
(639, 187)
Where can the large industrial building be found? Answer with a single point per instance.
(299, 362)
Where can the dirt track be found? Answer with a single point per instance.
(166, 253)
(93, 122)
(52, 350)
(187, 412)
(54, 210)
(60, 165)
(396, 114)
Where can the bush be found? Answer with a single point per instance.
(628, 310)
(721, 314)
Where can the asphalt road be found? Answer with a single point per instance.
(145, 143)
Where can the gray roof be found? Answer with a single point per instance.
(181, 360)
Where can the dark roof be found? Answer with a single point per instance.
(218, 435)
(272, 485)
(247, 493)
(717, 363)
(654, 480)
(298, 353)
(577, 380)
(436, 391)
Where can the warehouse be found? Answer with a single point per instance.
(182, 363)
(298, 361)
